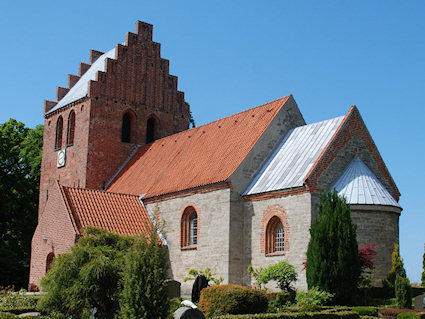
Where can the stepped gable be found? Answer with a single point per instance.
(360, 186)
(294, 157)
(120, 74)
(119, 213)
(201, 156)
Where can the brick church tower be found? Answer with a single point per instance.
(122, 99)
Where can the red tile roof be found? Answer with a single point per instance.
(119, 213)
(199, 156)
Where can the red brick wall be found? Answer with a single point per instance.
(55, 233)
(74, 171)
(353, 138)
(137, 81)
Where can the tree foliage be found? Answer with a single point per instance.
(423, 273)
(87, 277)
(403, 292)
(283, 273)
(332, 255)
(144, 293)
(397, 268)
(106, 274)
(207, 273)
(20, 162)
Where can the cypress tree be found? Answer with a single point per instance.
(332, 255)
(423, 273)
(397, 267)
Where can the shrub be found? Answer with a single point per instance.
(312, 315)
(174, 304)
(403, 293)
(423, 273)
(366, 311)
(255, 273)
(87, 277)
(231, 299)
(11, 299)
(277, 301)
(332, 254)
(408, 315)
(283, 273)
(397, 268)
(7, 315)
(145, 271)
(391, 313)
(193, 273)
(312, 299)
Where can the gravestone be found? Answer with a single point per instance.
(420, 302)
(173, 288)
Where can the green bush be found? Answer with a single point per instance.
(397, 268)
(87, 277)
(231, 299)
(144, 292)
(307, 315)
(18, 310)
(174, 304)
(312, 299)
(12, 299)
(283, 273)
(7, 315)
(332, 255)
(278, 300)
(408, 315)
(403, 293)
(366, 311)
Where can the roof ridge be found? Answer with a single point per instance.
(97, 190)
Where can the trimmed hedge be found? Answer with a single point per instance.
(17, 310)
(366, 311)
(305, 315)
(231, 299)
(390, 313)
(411, 315)
(7, 315)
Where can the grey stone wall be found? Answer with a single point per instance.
(377, 225)
(346, 154)
(213, 239)
(298, 209)
(289, 117)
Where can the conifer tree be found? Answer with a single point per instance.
(423, 273)
(332, 255)
(397, 268)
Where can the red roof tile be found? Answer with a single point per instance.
(199, 156)
(119, 213)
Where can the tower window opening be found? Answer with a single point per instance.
(126, 128)
(71, 129)
(59, 129)
(150, 130)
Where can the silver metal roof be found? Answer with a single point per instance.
(294, 157)
(79, 90)
(360, 186)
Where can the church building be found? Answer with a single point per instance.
(243, 190)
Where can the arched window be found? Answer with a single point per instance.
(150, 130)
(71, 129)
(193, 228)
(126, 128)
(189, 228)
(49, 261)
(59, 129)
(275, 236)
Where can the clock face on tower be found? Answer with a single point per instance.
(61, 158)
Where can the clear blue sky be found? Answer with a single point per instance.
(232, 55)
